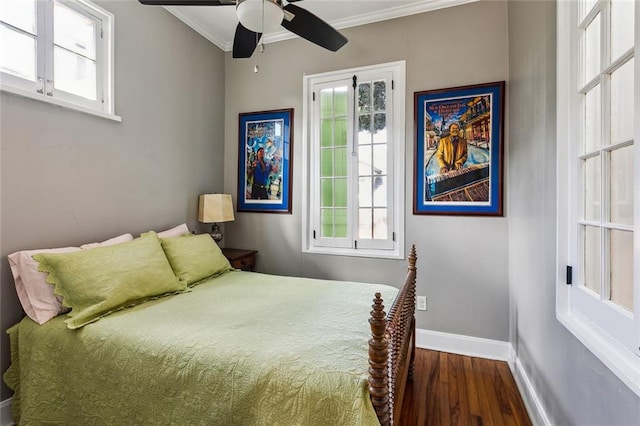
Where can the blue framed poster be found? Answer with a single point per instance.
(459, 148)
(265, 162)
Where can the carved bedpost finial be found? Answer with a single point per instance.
(412, 258)
(378, 360)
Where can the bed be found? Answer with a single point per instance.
(238, 348)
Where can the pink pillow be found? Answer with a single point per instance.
(176, 231)
(35, 294)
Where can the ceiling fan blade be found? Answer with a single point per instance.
(189, 2)
(245, 42)
(309, 26)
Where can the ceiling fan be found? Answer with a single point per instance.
(258, 16)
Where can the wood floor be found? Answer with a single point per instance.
(450, 389)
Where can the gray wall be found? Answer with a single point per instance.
(70, 178)
(451, 47)
(575, 387)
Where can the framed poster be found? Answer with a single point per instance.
(264, 161)
(458, 167)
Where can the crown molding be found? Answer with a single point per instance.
(199, 28)
(363, 19)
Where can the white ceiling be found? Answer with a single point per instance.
(218, 23)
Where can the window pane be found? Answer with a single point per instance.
(326, 103)
(622, 193)
(373, 224)
(592, 49)
(380, 159)
(621, 27)
(326, 223)
(74, 32)
(364, 192)
(622, 268)
(340, 198)
(380, 191)
(365, 228)
(592, 121)
(381, 136)
(364, 129)
(622, 103)
(20, 14)
(380, 224)
(341, 132)
(340, 158)
(341, 223)
(17, 54)
(592, 188)
(364, 97)
(326, 162)
(340, 100)
(364, 160)
(326, 189)
(592, 258)
(379, 96)
(326, 133)
(379, 127)
(74, 74)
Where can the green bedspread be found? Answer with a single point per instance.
(240, 349)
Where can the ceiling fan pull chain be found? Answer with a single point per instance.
(256, 69)
(262, 39)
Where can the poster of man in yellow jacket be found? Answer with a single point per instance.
(452, 150)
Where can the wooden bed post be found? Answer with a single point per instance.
(378, 371)
(412, 295)
(392, 348)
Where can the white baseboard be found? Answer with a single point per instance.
(463, 345)
(5, 413)
(490, 349)
(534, 406)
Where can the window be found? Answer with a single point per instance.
(59, 51)
(599, 180)
(354, 161)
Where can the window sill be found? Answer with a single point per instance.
(379, 254)
(58, 102)
(623, 363)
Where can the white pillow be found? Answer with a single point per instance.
(176, 231)
(35, 294)
(110, 242)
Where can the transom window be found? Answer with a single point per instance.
(59, 51)
(354, 161)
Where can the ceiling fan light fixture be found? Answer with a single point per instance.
(250, 15)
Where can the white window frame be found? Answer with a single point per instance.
(618, 349)
(43, 88)
(393, 247)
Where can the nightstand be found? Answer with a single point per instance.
(241, 259)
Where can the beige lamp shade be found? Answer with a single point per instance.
(215, 208)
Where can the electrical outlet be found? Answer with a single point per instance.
(422, 303)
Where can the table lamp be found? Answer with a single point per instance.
(213, 208)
